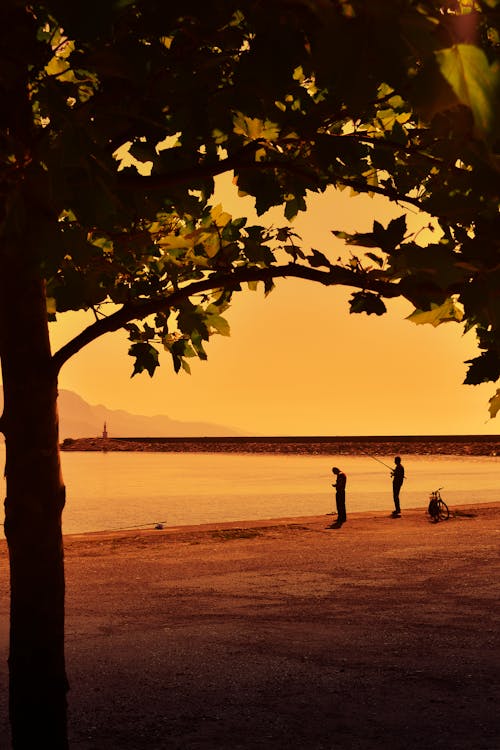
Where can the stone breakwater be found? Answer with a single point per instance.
(461, 445)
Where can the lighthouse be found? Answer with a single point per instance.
(105, 432)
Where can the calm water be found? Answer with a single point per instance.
(122, 490)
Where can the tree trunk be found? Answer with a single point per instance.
(33, 509)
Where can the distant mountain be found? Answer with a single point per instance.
(77, 419)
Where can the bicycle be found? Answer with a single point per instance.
(438, 510)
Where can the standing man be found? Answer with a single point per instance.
(339, 498)
(398, 475)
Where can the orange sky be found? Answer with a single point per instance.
(298, 362)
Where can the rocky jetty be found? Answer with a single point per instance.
(423, 445)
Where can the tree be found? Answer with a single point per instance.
(396, 98)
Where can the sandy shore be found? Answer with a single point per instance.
(283, 634)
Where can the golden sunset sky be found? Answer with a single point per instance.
(297, 363)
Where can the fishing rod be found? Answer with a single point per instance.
(155, 524)
(379, 461)
(376, 459)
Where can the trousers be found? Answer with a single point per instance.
(340, 502)
(396, 486)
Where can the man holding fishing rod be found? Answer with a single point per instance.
(398, 475)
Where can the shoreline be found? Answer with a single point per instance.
(263, 526)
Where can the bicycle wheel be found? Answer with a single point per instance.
(443, 511)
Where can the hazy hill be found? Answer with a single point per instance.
(79, 419)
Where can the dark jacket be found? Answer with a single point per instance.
(398, 474)
(341, 482)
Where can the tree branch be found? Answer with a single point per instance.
(387, 192)
(142, 308)
(163, 181)
(127, 181)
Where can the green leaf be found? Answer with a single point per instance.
(263, 186)
(51, 305)
(216, 322)
(494, 403)
(252, 128)
(483, 369)
(448, 311)
(376, 258)
(192, 319)
(398, 134)
(396, 230)
(317, 259)
(388, 239)
(146, 358)
(179, 350)
(293, 206)
(257, 252)
(474, 81)
(363, 239)
(367, 302)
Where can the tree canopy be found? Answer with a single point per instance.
(397, 98)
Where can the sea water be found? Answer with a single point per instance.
(118, 490)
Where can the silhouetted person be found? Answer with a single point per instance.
(339, 497)
(398, 475)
